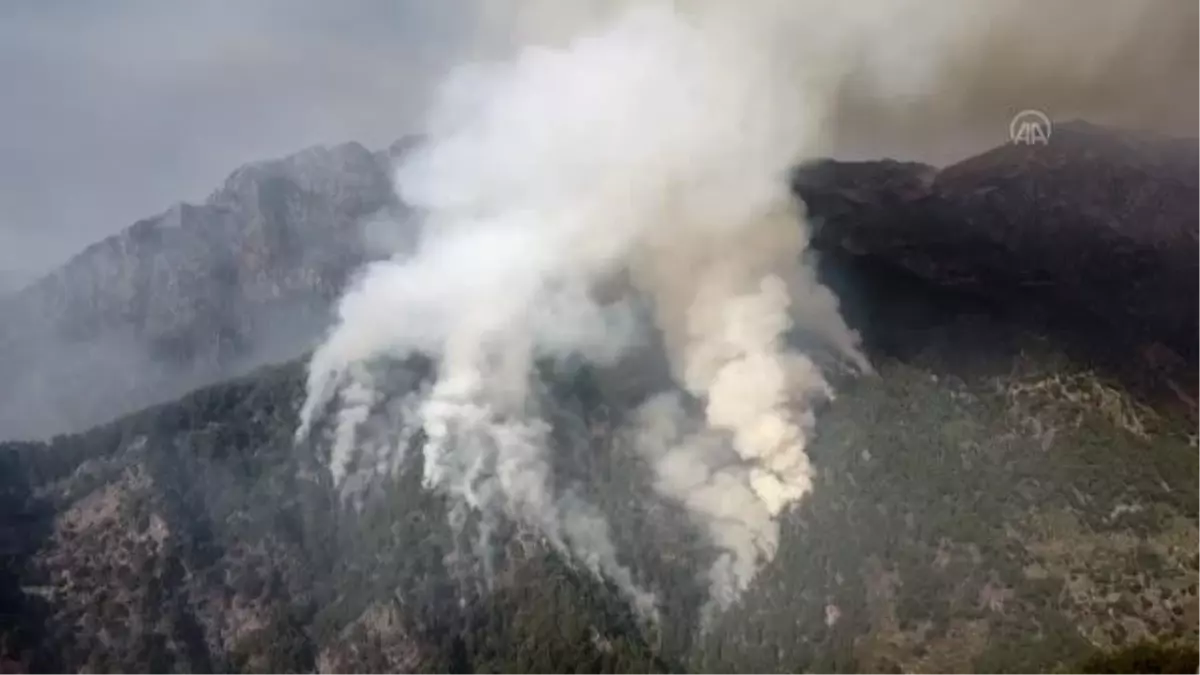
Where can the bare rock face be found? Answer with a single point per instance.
(191, 295)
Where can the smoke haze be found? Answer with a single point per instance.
(650, 142)
(937, 80)
(948, 77)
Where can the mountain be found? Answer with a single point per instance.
(1015, 488)
(192, 295)
(1092, 237)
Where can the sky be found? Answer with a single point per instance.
(115, 110)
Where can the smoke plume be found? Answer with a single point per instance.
(937, 80)
(644, 147)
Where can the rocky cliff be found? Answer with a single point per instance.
(192, 295)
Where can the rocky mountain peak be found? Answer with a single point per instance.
(197, 289)
(345, 173)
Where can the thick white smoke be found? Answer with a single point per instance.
(649, 144)
(653, 150)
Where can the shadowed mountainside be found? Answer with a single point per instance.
(1014, 489)
(1092, 237)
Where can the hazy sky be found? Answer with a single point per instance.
(114, 110)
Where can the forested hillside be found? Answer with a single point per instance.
(1014, 488)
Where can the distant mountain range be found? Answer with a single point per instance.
(1015, 490)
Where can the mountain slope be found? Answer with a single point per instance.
(192, 295)
(1007, 492)
(1092, 237)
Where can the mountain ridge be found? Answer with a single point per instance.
(1054, 233)
(193, 294)
(1013, 489)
